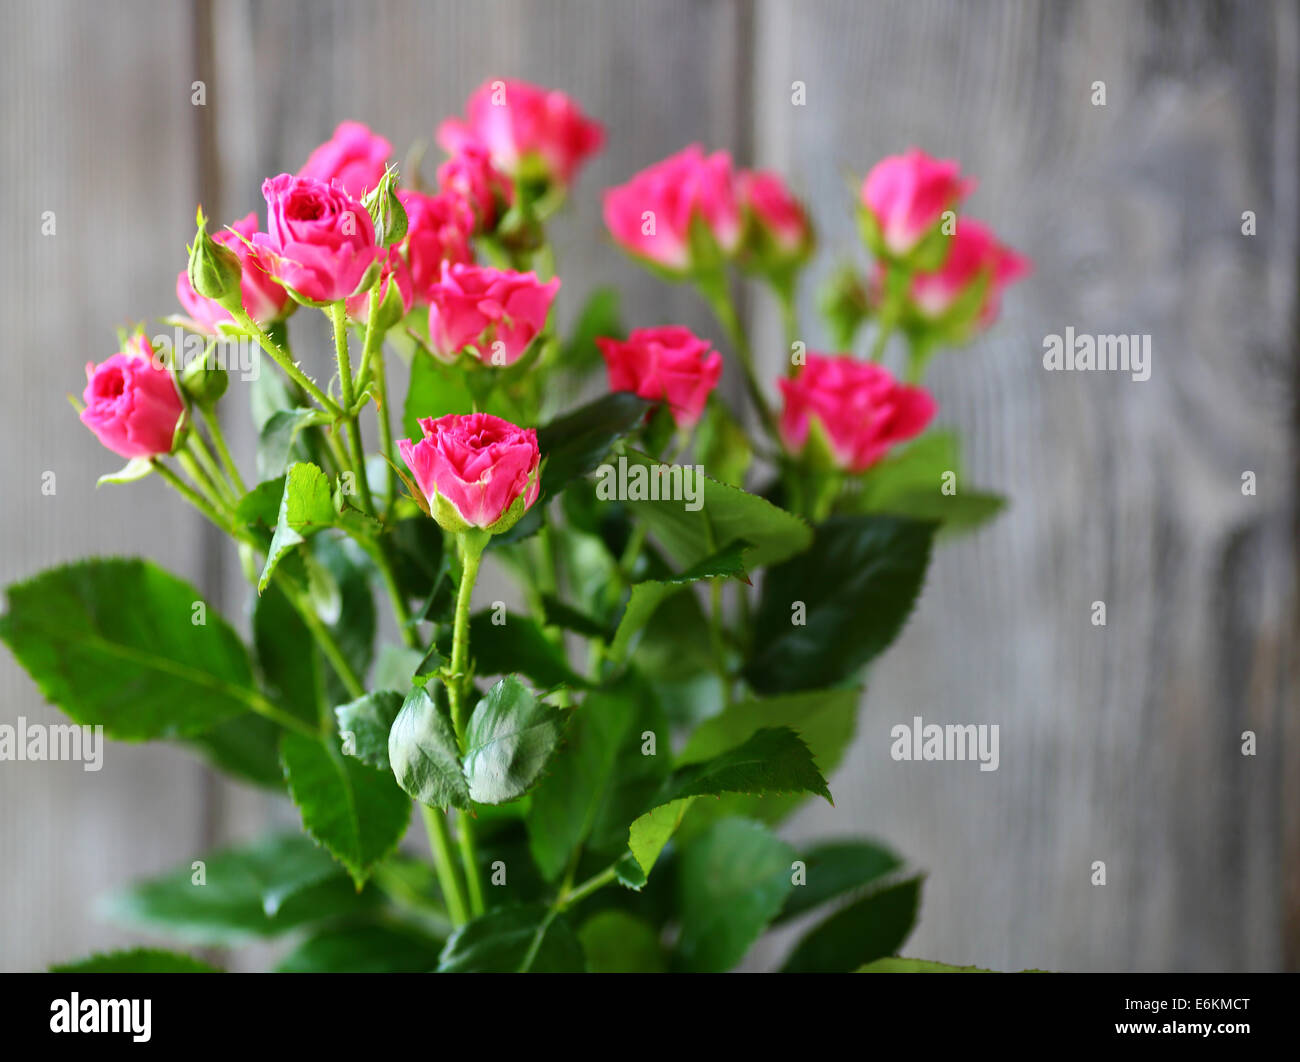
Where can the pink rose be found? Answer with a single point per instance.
(132, 404)
(475, 470)
(470, 176)
(974, 257)
(353, 156)
(437, 230)
(906, 195)
(496, 312)
(392, 271)
(668, 363)
(528, 131)
(320, 242)
(651, 215)
(861, 408)
(264, 299)
(776, 215)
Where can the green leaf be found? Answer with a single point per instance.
(291, 667)
(259, 509)
(647, 596)
(727, 515)
(116, 642)
(911, 484)
(558, 614)
(378, 948)
(895, 964)
(136, 960)
(434, 391)
(615, 941)
(364, 725)
(868, 929)
(135, 469)
(518, 645)
(731, 882)
(600, 315)
(423, 752)
(824, 719)
(307, 506)
(511, 939)
(773, 760)
(277, 436)
(247, 746)
(600, 780)
(353, 810)
(574, 444)
(857, 585)
(837, 867)
(508, 740)
(257, 890)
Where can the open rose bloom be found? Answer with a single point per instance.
(492, 313)
(978, 265)
(905, 197)
(319, 241)
(353, 156)
(669, 364)
(860, 408)
(132, 404)
(475, 471)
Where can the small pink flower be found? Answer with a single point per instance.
(906, 196)
(486, 468)
(651, 215)
(494, 312)
(353, 156)
(776, 214)
(393, 271)
(526, 129)
(470, 175)
(669, 363)
(320, 242)
(132, 404)
(438, 229)
(263, 298)
(862, 409)
(975, 256)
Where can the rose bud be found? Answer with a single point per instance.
(353, 156)
(531, 133)
(264, 300)
(679, 213)
(132, 404)
(386, 210)
(966, 291)
(438, 230)
(668, 364)
(778, 234)
(904, 198)
(475, 470)
(857, 407)
(495, 313)
(470, 176)
(396, 294)
(320, 242)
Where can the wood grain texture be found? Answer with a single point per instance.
(1118, 744)
(1121, 743)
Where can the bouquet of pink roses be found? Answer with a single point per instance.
(601, 769)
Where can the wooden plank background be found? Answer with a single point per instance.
(1119, 744)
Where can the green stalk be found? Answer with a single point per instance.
(223, 451)
(338, 313)
(283, 360)
(435, 825)
(469, 860)
(215, 476)
(471, 552)
(719, 299)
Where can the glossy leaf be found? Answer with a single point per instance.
(508, 740)
(514, 939)
(423, 752)
(615, 941)
(835, 868)
(355, 811)
(364, 725)
(868, 929)
(136, 960)
(854, 590)
(576, 443)
(376, 948)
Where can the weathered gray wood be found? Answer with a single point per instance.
(1120, 743)
(96, 116)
